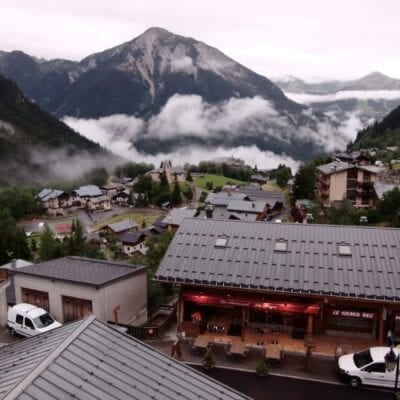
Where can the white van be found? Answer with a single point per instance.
(29, 320)
(367, 367)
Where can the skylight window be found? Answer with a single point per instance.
(221, 242)
(281, 246)
(344, 250)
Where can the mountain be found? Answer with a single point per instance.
(36, 146)
(382, 134)
(369, 98)
(143, 77)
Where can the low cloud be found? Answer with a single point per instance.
(190, 116)
(305, 98)
(182, 64)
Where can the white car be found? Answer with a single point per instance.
(29, 320)
(367, 367)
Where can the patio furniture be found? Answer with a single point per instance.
(201, 344)
(274, 353)
(238, 351)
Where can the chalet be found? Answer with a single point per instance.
(304, 278)
(56, 202)
(127, 225)
(121, 198)
(133, 243)
(73, 287)
(172, 173)
(88, 359)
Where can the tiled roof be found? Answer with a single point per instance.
(88, 191)
(311, 264)
(88, 359)
(122, 226)
(81, 270)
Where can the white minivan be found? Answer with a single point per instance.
(29, 320)
(367, 367)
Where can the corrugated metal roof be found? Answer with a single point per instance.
(90, 360)
(311, 264)
(48, 194)
(86, 271)
(382, 188)
(122, 226)
(269, 197)
(88, 191)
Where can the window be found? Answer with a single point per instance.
(19, 319)
(29, 323)
(221, 242)
(281, 246)
(344, 250)
(377, 367)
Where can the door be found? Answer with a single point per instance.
(36, 297)
(375, 374)
(75, 308)
(29, 328)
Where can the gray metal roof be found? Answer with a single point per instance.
(311, 264)
(90, 360)
(122, 226)
(48, 194)
(255, 207)
(177, 215)
(223, 198)
(382, 188)
(269, 197)
(88, 191)
(81, 270)
(334, 167)
(132, 238)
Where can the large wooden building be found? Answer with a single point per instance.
(300, 278)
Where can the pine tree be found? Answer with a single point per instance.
(176, 194)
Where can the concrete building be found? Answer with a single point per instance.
(73, 287)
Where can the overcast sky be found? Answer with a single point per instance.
(311, 39)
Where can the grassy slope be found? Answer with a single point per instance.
(216, 180)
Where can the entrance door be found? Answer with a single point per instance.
(36, 297)
(74, 308)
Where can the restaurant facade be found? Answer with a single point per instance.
(237, 276)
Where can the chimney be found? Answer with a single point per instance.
(209, 211)
(253, 204)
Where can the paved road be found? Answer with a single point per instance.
(282, 388)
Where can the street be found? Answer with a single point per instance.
(283, 388)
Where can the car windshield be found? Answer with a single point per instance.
(43, 321)
(362, 358)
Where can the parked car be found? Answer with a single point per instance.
(367, 367)
(29, 320)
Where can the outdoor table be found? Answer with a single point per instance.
(220, 340)
(201, 342)
(273, 352)
(238, 350)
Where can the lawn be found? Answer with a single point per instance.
(217, 180)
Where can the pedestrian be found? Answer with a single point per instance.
(390, 338)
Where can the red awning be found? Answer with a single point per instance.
(220, 300)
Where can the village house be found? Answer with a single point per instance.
(133, 243)
(294, 279)
(56, 202)
(173, 174)
(338, 181)
(91, 197)
(73, 287)
(120, 227)
(90, 359)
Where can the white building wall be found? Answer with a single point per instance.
(3, 303)
(130, 294)
(338, 189)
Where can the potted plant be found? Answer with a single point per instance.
(262, 368)
(208, 360)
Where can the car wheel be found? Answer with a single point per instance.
(12, 332)
(354, 381)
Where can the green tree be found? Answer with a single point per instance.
(50, 247)
(388, 209)
(176, 194)
(97, 176)
(282, 176)
(189, 177)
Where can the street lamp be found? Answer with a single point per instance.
(392, 363)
